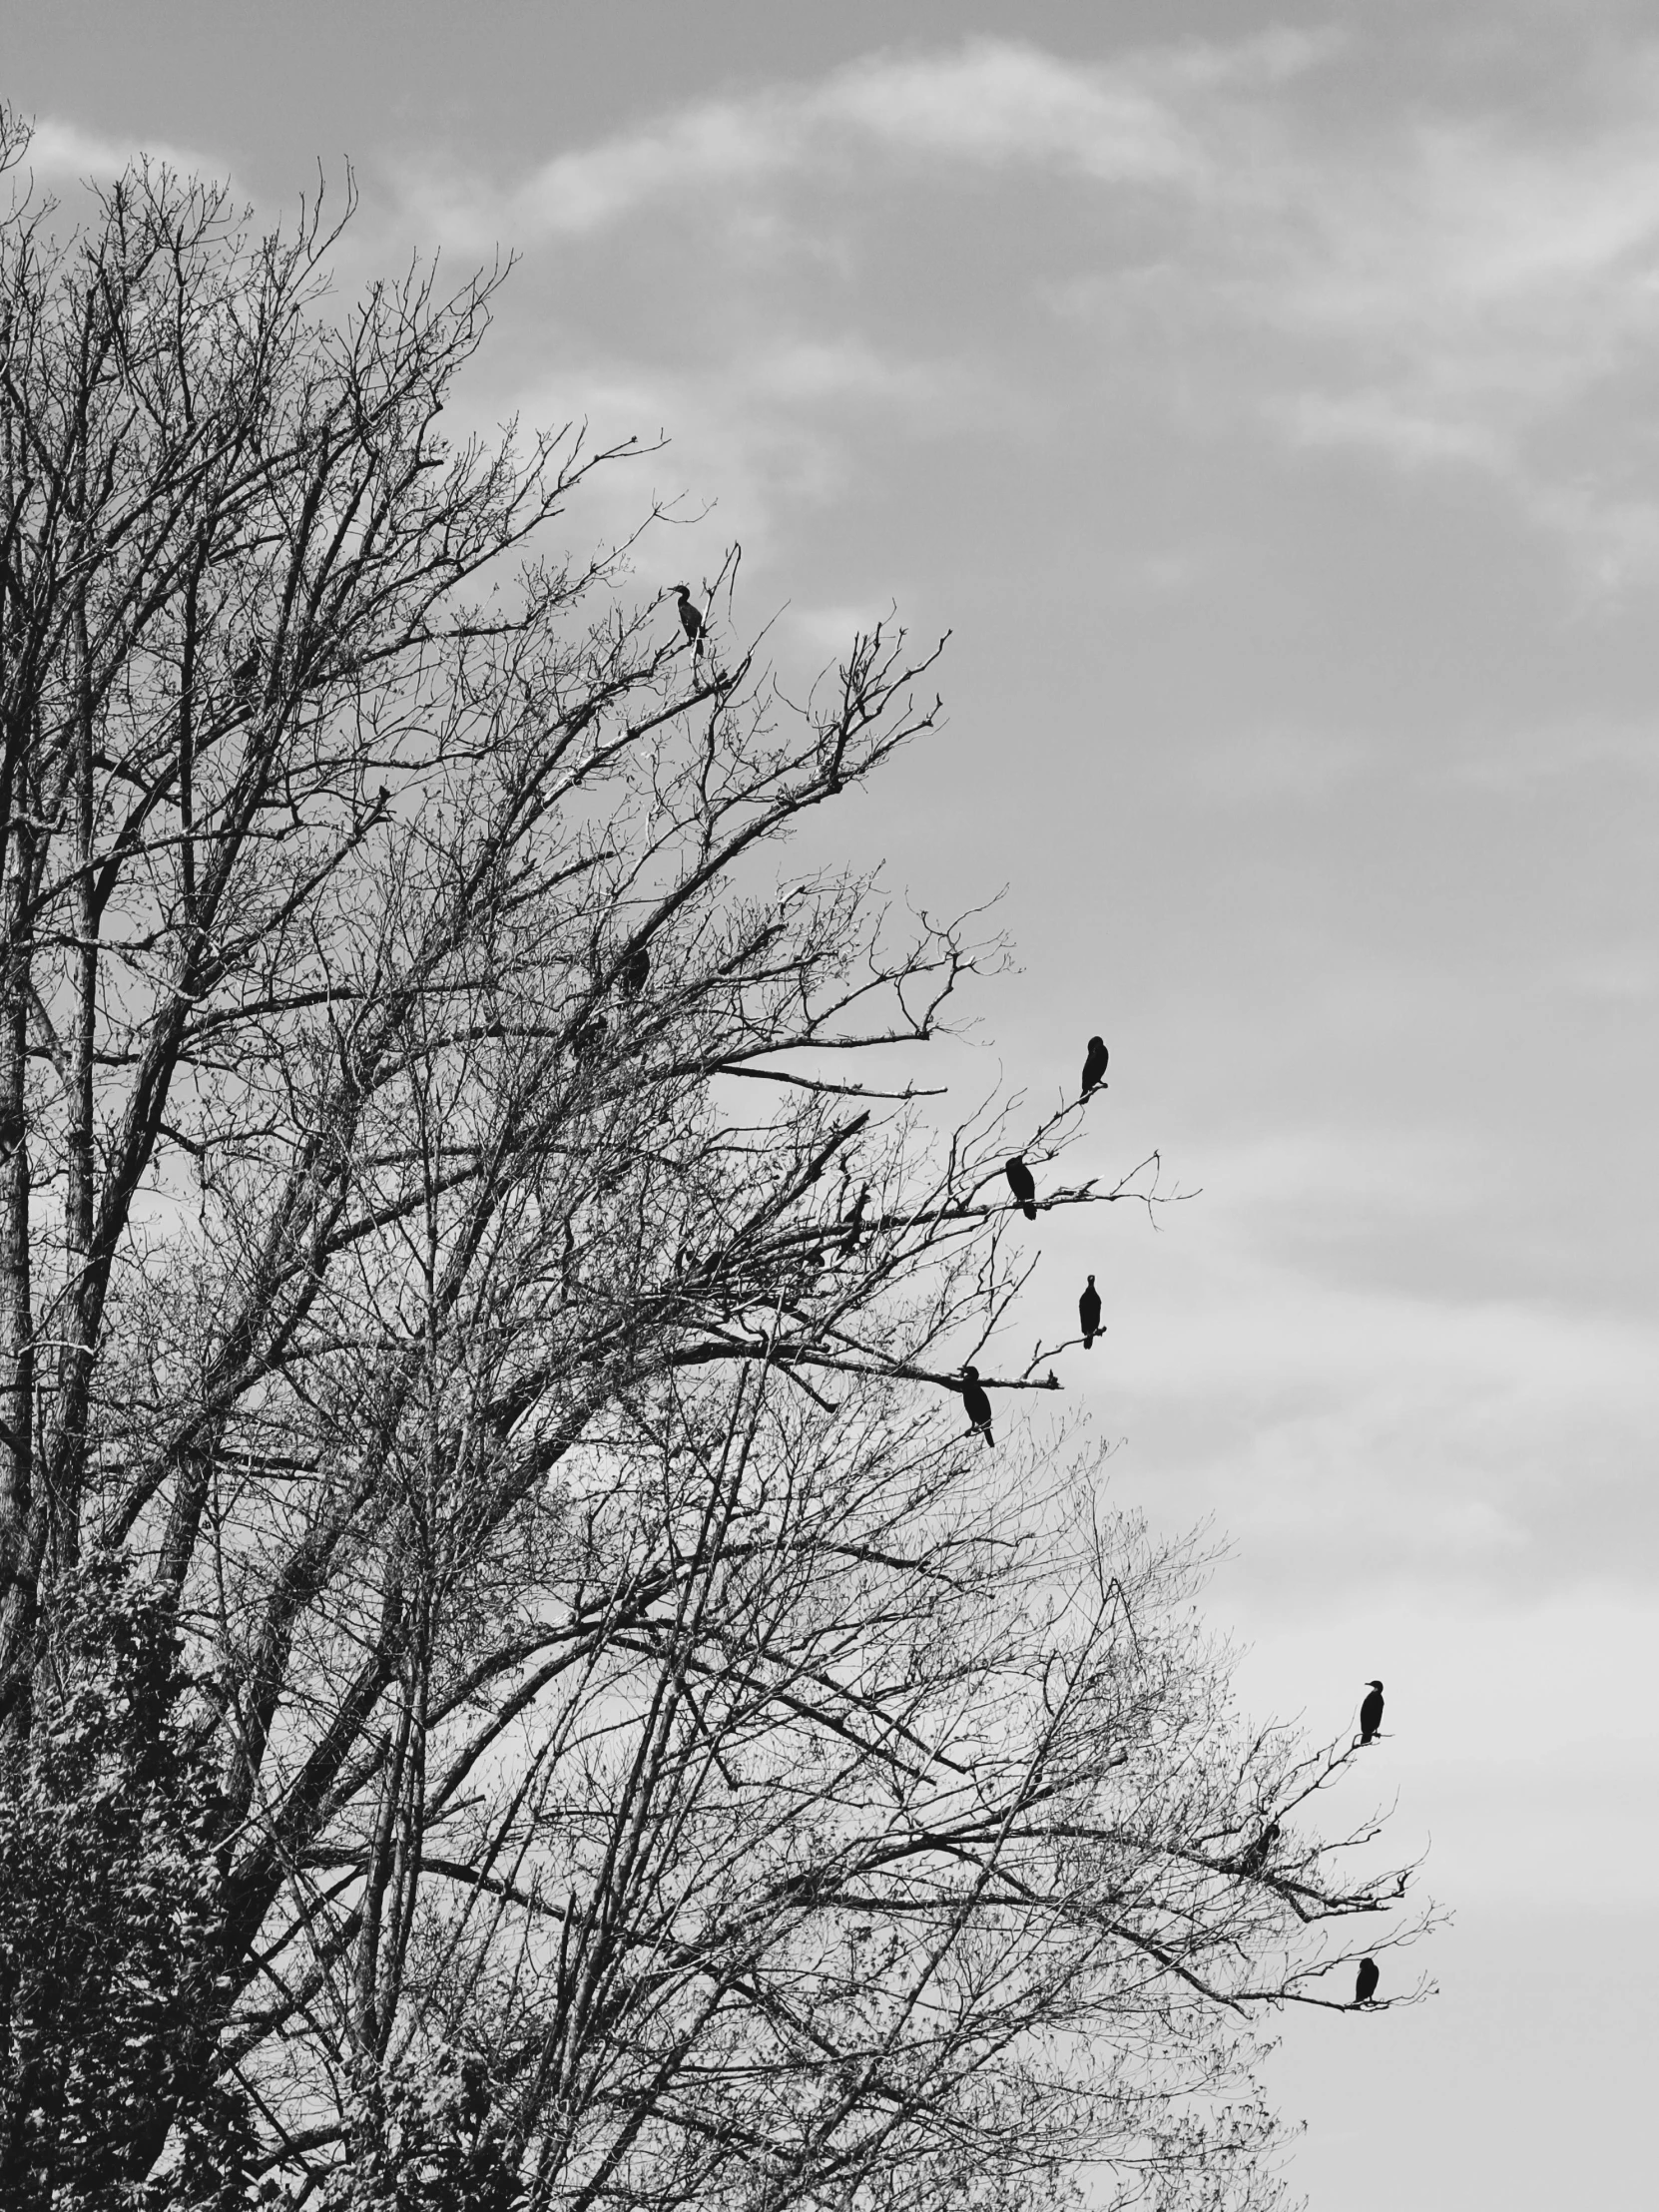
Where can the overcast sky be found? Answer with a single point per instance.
(1266, 399)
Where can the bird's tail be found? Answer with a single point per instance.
(1030, 1211)
(990, 1441)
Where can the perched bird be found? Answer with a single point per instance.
(690, 620)
(1256, 1855)
(976, 1404)
(855, 1223)
(1371, 1713)
(635, 973)
(1364, 1986)
(589, 1038)
(1094, 1066)
(1023, 1186)
(246, 675)
(1088, 1312)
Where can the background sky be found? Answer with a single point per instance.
(1266, 401)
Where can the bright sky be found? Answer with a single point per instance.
(1266, 400)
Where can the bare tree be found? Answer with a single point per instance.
(518, 1681)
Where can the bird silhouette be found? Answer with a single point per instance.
(246, 675)
(635, 973)
(1094, 1066)
(855, 1223)
(1256, 1855)
(976, 1404)
(1365, 1985)
(589, 1038)
(690, 620)
(1023, 1186)
(1371, 1713)
(1088, 1312)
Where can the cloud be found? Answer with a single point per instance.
(777, 423)
(992, 102)
(1258, 238)
(995, 102)
(1530, 760)
(63, 149)
(1356, 1424)
(1466, 292)
(1481, 1442)
(1619, 976)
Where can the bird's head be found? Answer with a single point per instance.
(1374, 1685)
(971, 1375)
(1091, 1282)
(1097, 1044)
(681, 591)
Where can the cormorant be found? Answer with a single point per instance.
(1371, 1713)
(1094, 1067)
(1088, 1312)
(1256, 1855)
(1364, 1986)
(849, 1238)
(635, 973)
(690, 620)
(1023, 1185)
(976, 1404)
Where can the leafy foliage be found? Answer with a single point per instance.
(111, 1971)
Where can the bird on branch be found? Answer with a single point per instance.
(635, 973)
(690, 620)
(1088, 1312)
(1023, 1186)
(1371, 1713)
(854, 1225)
(1094, 1066)
(1255, 1855)
(588, 1040)
(976, 1404)
(1365, 1985)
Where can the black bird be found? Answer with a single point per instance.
(1094, 1067)
(1364, 1986)
(690, 620)
(589, 1038)
(1088, 1312)
(1023, 1185)
(246, 675)
(1371, 1713)
(855, 1223)
(635, 973)
(1256, 1855)
(976, 1404)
